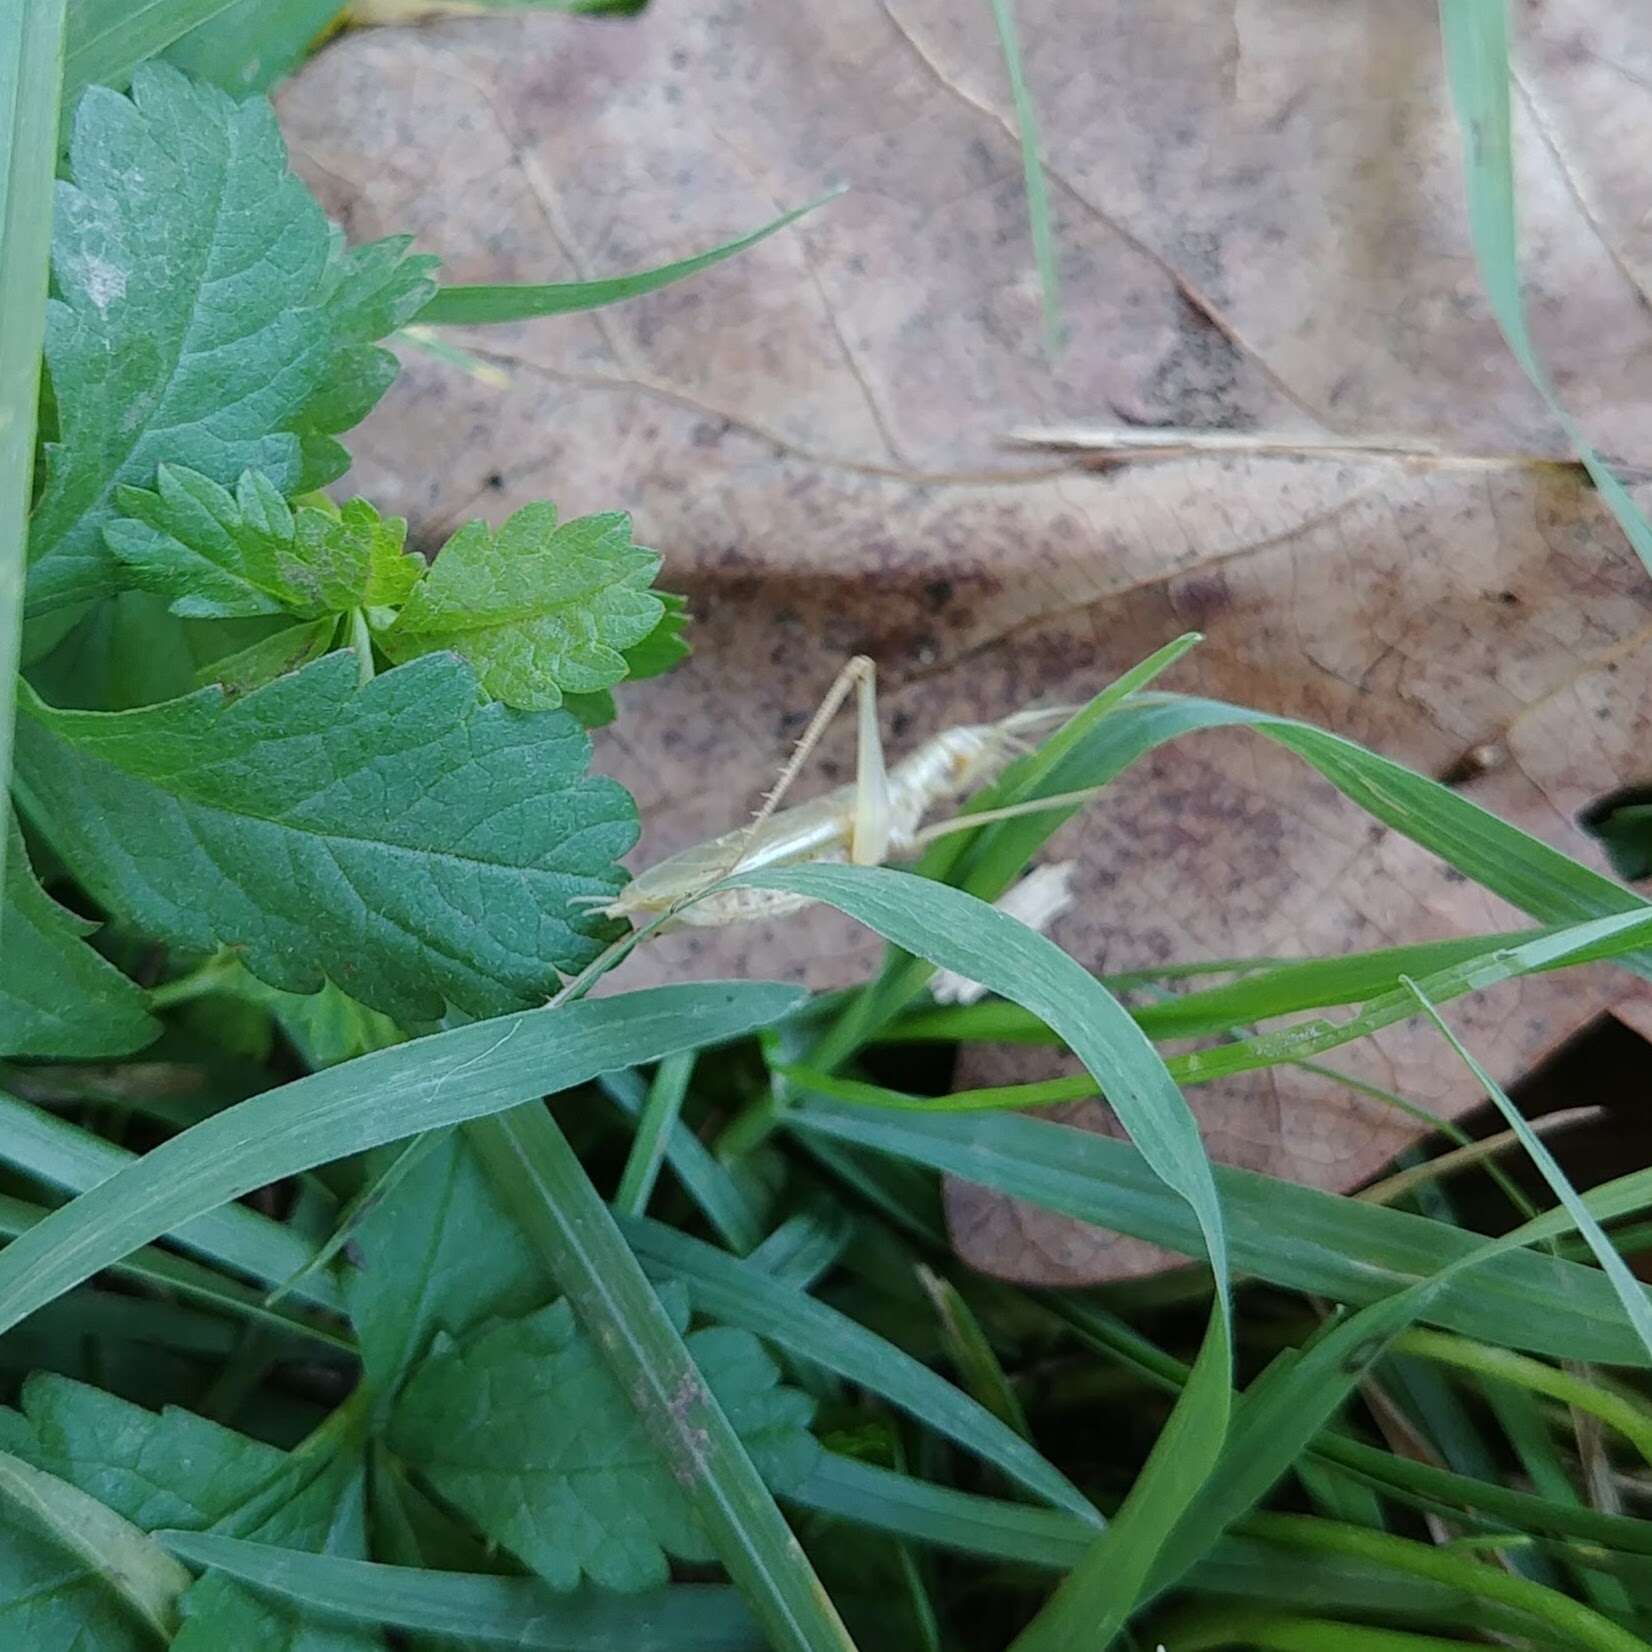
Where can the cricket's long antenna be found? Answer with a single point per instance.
(1010, 811)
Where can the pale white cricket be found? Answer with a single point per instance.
(879, 815)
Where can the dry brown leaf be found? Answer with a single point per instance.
(1261, 230)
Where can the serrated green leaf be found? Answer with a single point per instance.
(436, 1255)
(290, 649)
(409, 841)
(217, 555)
(57, 996)
(540, 609)
(172, 1469)
(204, 314)
(524, 1429)
(176, 1470)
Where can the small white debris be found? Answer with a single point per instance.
(1037, 901)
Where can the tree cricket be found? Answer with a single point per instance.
(874, 818)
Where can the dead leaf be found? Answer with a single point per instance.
(1261, 230)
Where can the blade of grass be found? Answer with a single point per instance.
(378, 1098)
(1617, 937)
(736, 1292)
(654, 1128)
(124, 1560)
(31, 56)
(167, 1274)
(953, 930)
(1476, 38)
(498, 1611)
(1288, 1234)
(484, 304)
(972, 1353)
(543, 1185)
(1629, 1292)
(708, 1182)
(1032, 171)
(67, 1157)
(107, 39)
(1579, 1625)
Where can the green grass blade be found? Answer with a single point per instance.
(379, 1098)
(739, 1293)
(1629, 1290)
(1032, 170)
(183, 1276)
(476, 1607)
(655, 1127)
(705, 1179)
(31, 53)
(542, 1184)
(1283, 989)
(108, 39)
(954, 930)
(482, 305)
(1476, 36)
(65, 1156)
(1291, 1235)
(136, 1569)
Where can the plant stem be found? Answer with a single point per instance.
(208, 977)
(361, 639)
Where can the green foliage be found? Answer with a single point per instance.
(206, 317)
(328, 799)
(430, 839)
(523, 1428)
(537, 608)
(57, 996)
(217, 555)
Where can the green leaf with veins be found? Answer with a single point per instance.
(57, 996)
(523, 1428)
(540, 609)
(179, 1471)
(204, 312)
(408, 840)
(218, 555)
(661, 649)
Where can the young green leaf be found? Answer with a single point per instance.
(57, 996)
(539, 609)
(217, 555)
(205, 315)
(525, 1429)
(427, 841)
